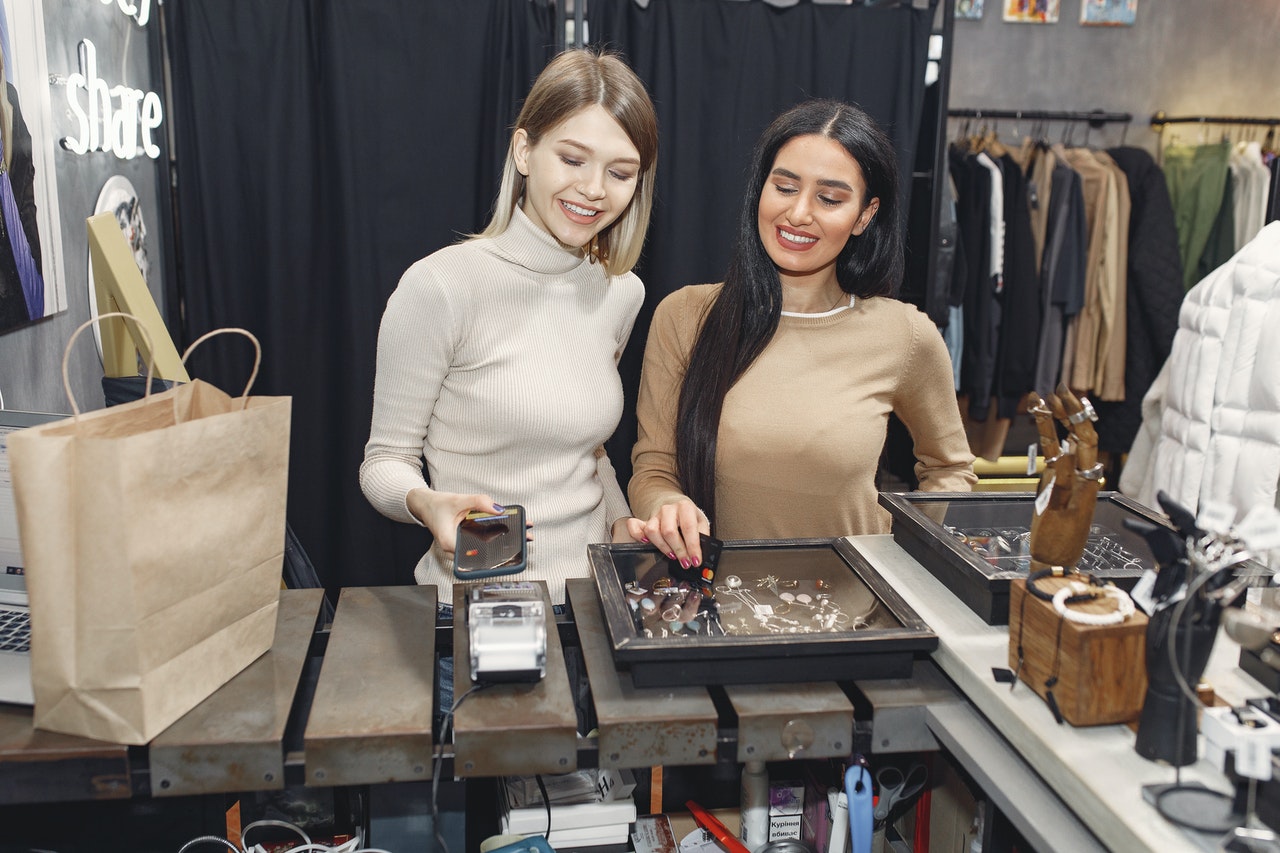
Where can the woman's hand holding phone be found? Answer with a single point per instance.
(441, 512)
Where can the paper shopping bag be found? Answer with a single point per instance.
(154, 535)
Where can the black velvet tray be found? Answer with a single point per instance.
(785, 611)
(961, 538)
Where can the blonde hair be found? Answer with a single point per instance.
(572, 81)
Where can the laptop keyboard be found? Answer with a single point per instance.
(15, 630)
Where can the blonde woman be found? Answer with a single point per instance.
(497, 356)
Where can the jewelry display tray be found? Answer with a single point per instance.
(929, 525)
(799, 610)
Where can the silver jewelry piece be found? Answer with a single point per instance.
(1093, 473)
(1086, 413)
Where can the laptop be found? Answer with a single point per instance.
(15, 625)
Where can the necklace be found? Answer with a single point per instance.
(842, 300)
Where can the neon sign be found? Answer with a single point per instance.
(118, 119)
(140, 11)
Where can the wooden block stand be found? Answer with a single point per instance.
(1101, 669)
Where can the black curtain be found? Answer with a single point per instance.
(719, 71)
(322, 147)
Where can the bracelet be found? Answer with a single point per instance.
(1123, 611)
(1056, 572)
(1037, 591)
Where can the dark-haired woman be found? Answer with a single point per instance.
(764, 400)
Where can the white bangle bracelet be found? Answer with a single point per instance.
(1124, 605)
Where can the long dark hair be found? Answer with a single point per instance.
(745, 315)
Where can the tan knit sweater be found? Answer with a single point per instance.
(802, 430)
(497, 363)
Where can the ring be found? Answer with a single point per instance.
(1039, 409)
(1086, 413)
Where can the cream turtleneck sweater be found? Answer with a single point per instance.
(497, 363)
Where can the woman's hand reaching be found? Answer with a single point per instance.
(674, 530)
(629, 529)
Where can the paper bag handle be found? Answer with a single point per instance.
(66, 355)
(257, 356)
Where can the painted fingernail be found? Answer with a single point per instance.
(499, 508)
(671, 555)
(644, 539)
(684, 564)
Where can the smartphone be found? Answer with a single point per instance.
(490, 544)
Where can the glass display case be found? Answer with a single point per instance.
(775, 611)
(978, 542)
